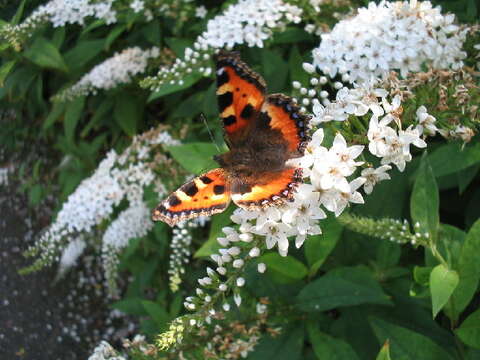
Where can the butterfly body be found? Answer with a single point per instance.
(262, 133)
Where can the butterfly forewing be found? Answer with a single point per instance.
(240, 92)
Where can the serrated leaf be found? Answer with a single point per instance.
(424, 202)
(284, 269)
(195, 157)
(406, 344)
(318, 247)
(45, 54)
(327, 347)
(346, 286)
(443, 282)
(469, 331)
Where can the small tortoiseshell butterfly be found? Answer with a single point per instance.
(262, 133)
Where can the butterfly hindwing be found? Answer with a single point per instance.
(267, 189)
(240, 92)
(204, 195)
(281, 113)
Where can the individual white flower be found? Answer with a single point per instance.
(201, 12)
(377, 131)
(313, 151)
(352, 196)
(373, 176)
(426, 122)
(304, 212)
(276, 233)
(346, 154)
(137, 5)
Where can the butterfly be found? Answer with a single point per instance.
(262, 132)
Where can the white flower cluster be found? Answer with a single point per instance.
(388, 36)
(248, 22)
(131, 223)
(71, 254)
(61, 13)
(384, 141)
(116, 70)
(118, 177)
(105, 351)
(180, 250)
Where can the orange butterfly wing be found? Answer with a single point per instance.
(283, 114)
(205, 195)
(267, 189)
(240, 92)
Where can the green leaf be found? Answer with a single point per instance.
(327, 347)
(468, 271)
(114, 34)
(453, 157)
(5, 70)
(152, 32)
(131, 305)
(295, 62)
(57, 110)
(35, 194)
(167, 89)
(384, 353)
(178, 45)
(45, 54)
(318, 247)
(72, 116)
(466, 176)
(127, 113)
(195, 157)
(424, 202)
(275, 70)
(345, 286)
(469, 331)
(283, 269)
(421, 274)
(18, 15)
(157, 313)
(286, 346)
(292, 35)
(443, 282)
(406, 344)
(219, 221)
(83, 52)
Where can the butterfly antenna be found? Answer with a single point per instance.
(209, 131)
